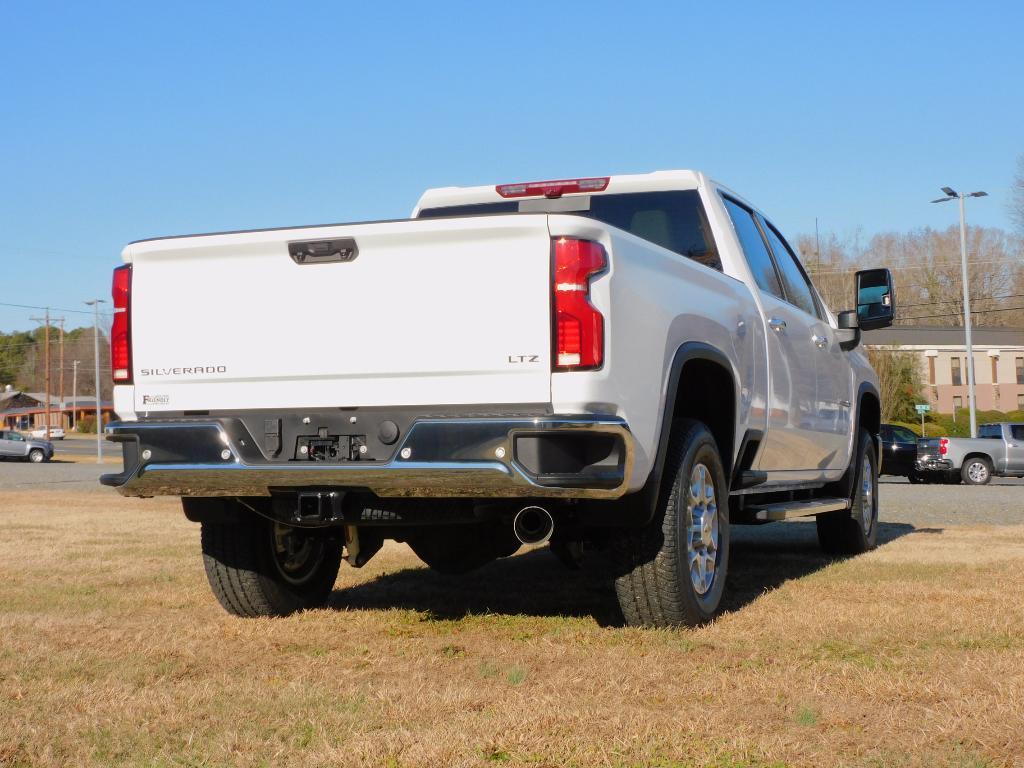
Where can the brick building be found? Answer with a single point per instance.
(942, 355)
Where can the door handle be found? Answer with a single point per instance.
(777, 324)
(819, 341)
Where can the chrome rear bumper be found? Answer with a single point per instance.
(444, 457)
(933, 464)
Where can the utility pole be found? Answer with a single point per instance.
(95, 304)
(60, 322)
(74, 395)
(46, 347)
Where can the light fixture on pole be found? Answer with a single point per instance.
(952, 194)
(95, 304)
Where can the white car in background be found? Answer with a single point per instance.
(56, 433)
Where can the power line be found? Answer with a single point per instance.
(959, 314)
(973, 298)
(57, 309)
(1008, 261)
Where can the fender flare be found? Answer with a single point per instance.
(688, 351)
(637, 509)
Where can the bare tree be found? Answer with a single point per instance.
(832, 270)
(1017, 197)
(926, 269)
(79, 345)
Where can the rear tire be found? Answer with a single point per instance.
(915, 478)
(855, 530)
(977, 470)
(257, 567)
(672, 572)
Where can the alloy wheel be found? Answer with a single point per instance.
(703, 541)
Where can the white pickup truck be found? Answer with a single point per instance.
(626, 363)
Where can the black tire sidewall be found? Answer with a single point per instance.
(700, 449)
(865, 446)
(36, 452)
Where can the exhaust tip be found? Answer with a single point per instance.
(533, 525)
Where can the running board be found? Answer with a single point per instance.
(787, 509)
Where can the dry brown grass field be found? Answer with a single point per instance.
(113, 652)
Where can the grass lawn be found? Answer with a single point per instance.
(113, 652)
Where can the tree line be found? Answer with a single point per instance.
(927, 272)
(23, 361)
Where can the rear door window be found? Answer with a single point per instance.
(798, 287)
(754, 248)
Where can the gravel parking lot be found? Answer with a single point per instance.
(999, 503)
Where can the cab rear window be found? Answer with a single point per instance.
(673, 220)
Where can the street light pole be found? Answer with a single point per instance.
(95, 304)
(967, 320)
(952, 194)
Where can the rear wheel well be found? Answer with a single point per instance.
(976, 455)
(706, 393)
(870, 414)
(869, 419)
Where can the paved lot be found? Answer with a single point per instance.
(56, 475)
(81, 446)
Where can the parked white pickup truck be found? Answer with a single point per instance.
(630, 362)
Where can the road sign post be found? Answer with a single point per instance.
(922, 408)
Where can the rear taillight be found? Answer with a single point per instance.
(552, 188)
(579, 327)
(943, 443)
(121, 332)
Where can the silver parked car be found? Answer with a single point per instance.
(14, 445)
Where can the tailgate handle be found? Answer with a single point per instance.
(323, 251)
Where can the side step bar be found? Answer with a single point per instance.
(784, 510)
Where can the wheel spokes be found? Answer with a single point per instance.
(702, 529)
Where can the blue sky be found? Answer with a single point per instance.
(119, 122)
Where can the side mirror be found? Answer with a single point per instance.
(876, 300)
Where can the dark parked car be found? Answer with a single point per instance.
(899, 452)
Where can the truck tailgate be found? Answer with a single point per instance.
(428, 312)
